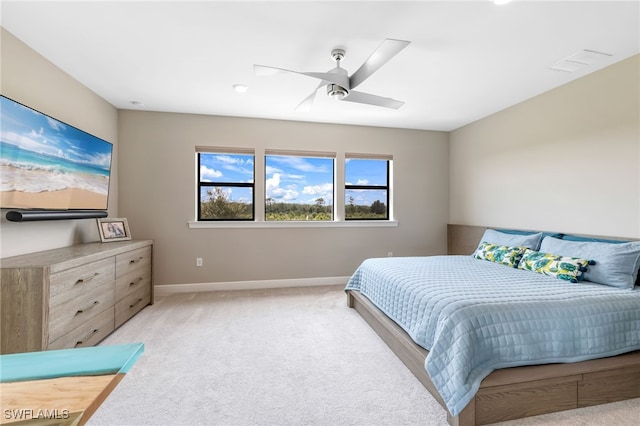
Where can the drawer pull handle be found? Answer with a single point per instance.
(136, 260)
(131, 284)
(88, 336)
(87, 278)
(93, 305)
(135, 303)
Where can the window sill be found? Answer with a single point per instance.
(295, 224)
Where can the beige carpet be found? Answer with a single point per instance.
(294, 356)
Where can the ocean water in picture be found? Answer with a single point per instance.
(45, 163)
(29, 171)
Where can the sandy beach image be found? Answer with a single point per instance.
(62, 199)
(51, 190)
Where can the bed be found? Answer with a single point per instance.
(483, 364)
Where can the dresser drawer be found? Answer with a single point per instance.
(87, 334)
(132, 281)
(132, 304)
(76, 282)
(68, 314)
(134, 259)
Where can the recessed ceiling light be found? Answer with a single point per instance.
(240, 88)
(501, 2)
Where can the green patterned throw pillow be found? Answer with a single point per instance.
(565, 268)
(504, 255)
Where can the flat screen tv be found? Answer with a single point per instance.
(46, 164)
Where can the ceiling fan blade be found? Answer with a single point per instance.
(265, 70)
(330, 77)
(305, 105)
(383, 53)
(366, 98)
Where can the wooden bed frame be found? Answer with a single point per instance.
(517, 392)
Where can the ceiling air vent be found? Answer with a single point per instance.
(579, 60)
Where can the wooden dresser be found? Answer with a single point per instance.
(72, 296)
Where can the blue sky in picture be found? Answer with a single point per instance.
(39, 134)
(293, 179)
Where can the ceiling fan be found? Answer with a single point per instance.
(339, 84)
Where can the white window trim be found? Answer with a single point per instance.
(193, 224)
(259, 192)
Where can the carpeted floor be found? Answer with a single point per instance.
(296, 356)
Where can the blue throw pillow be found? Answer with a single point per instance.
(616, 263)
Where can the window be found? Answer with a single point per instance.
(298, 186)
(366, 188)
(274, 188)
(225, 185)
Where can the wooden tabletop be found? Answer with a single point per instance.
(62, 387)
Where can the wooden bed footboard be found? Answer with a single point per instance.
(517, 392)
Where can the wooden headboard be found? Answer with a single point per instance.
(464, 239)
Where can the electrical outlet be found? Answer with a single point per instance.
(198, 261)
(390, 254)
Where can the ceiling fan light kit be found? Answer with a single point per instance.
(337, 92)
(340, 85)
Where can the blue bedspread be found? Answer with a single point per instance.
(476, 316)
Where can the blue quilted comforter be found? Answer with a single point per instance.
(476, 316)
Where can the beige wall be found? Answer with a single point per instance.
(567, 160)
(157, 195)
(30, 79)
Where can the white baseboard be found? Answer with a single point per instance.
(165, 290)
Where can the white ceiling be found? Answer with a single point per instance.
(466, 60)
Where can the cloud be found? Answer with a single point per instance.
(235, 164)
(227, 159)
(273, 189)
(322, 189)
(298, 163)
(55, 124)
(32, 141)
(206, 174)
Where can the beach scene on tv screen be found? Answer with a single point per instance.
(47, 164)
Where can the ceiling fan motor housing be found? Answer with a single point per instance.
(336, 92)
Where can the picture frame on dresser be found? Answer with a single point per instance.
(113, 229)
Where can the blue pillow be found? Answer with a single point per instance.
(512, 240)
(522, 232)
(616, 264)
(569, 237)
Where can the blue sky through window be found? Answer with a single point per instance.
(300, 180)
(365, 172)
(228, 168)
(294, 179)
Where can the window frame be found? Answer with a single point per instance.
(386, 187)
(200, 184)
(259, 191)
